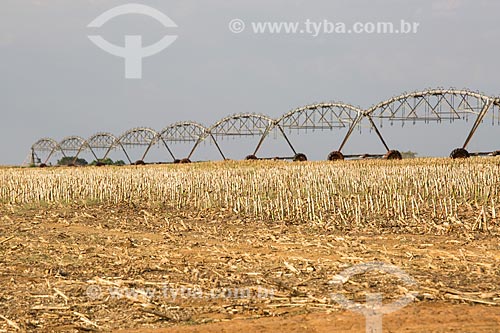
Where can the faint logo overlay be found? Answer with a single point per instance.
(133, 52)
(374, 309)
(95, 292)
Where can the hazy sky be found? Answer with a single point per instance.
(55, 82)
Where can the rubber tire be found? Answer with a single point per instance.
(251, 158)
(335, 156)
(459, 153)
(393, 155)
(300, 157)
(185, 161)
(139, 162)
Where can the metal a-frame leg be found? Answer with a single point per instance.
(151, 145)
(349, 132)
(79, 152)
(218, 148)
(262, 138)
(124, 151)
(266, 134)
(378, 132)
(203, 138)
(52, 153)
(478, 121)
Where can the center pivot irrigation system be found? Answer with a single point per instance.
(433, 105)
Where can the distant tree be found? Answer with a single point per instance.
(68, 160)
(108, 161)
(409, 154)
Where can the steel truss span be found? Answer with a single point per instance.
(73, 146)
(44, 145)
(135, 137)
(432, 105)
(236, 125)
(322, 116)
(104, 142)
(182, 132)
(436, 105)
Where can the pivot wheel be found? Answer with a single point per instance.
(335, 156)
(139, 162)
(251, 158)
(177, 161)
(43, 165)
(393, 155)
(185, 161)
(459, 153)
(300, 157)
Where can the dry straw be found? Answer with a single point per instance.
(348, 193)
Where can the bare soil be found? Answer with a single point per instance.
(147, 269)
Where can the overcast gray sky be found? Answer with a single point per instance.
(55, 82)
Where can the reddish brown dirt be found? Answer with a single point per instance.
(415, 318)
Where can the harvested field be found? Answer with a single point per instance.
(249, 246)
